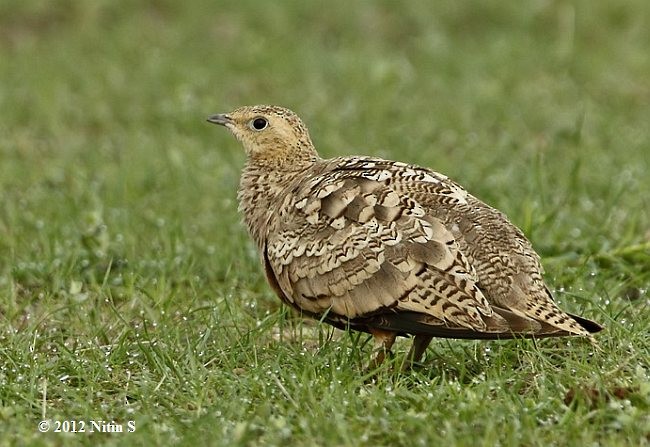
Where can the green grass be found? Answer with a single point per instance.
(130, 291)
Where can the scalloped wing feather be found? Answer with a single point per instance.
(360, 236)
(345, 241)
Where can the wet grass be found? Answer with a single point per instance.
(129, 291)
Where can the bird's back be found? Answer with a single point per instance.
(367, 240)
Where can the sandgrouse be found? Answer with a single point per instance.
(385, 247)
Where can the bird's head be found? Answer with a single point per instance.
(268, 132)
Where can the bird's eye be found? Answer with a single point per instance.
(259, 123)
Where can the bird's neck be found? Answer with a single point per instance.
(263, 182)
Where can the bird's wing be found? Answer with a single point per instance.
(509, 270)
(343, 241)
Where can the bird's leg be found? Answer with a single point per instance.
(383, 343)
(420, 343)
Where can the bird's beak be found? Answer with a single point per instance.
(221, 119)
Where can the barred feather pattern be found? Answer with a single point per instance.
(362, 234)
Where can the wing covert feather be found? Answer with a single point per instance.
(345, 241)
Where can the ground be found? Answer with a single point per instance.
(129, 290)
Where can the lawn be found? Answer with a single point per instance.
(130, 291)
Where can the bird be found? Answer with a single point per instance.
(386, 247)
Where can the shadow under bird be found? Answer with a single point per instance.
(386, 247)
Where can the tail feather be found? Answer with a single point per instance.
(404, 323)
(590, 326)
